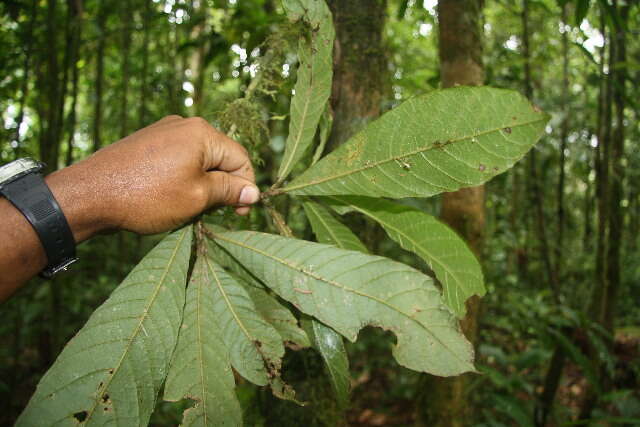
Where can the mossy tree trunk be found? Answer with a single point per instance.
(360, 66)
(444, 402)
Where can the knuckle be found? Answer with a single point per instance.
(200, 125)
(172, 117)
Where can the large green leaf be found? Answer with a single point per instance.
(329, 230)
(453, 263)
(200, 369)
(348, 290)
(255, 347)
(111, 371)
(313, 85)
(438, 142)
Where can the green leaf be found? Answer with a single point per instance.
(453, 263)
(255, 347)
(331, 347)
(329, 230)
(348, 290)
(277, 315)
(313, 85)
(111, 371)
(438, 142)
(312, 11)
(200, 368)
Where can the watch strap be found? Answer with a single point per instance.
(31, 196)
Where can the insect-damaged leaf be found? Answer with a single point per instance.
(453, 263)
(111, 371)
(200, 369)
(313, 85)
(438, 142)
(348, 290)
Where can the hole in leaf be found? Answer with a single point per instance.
(105, 398)
(80, 416)
(111, 371)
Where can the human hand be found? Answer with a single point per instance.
(156, 179)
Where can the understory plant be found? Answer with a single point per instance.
(208, 301)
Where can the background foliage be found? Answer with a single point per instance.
(80, 74)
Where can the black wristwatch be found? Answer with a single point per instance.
(22, 184)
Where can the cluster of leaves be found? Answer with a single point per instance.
(207, 301)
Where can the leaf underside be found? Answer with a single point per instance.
(439, 142)
(200, 369)
(313, 84)
(255, 347)
(112, 370)
(348, 290)
(453, 263)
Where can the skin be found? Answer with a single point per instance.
(149, 182)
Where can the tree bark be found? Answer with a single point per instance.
(76, 8)
(556, 365)
(99, 76)
(144, 89)
(611, 213)
(359, 66)
(460, 31)
(126, 13)
(24, 89)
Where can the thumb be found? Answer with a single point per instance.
(227, 189)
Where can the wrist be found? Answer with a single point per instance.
(80, 201)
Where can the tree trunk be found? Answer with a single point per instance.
(444, 402)
(126, 13)
(144, 89)
(24, 90)
(556, 365)
(611, 214)
(76, 8)
(99, 76)
(359, 66)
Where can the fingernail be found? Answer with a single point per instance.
(249, 195)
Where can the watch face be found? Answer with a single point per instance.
(18, 167)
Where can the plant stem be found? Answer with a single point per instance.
(278, 219)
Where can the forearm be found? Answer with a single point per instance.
(21, 253)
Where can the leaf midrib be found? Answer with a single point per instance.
(286, 164)
(200, 344)
(228, 302)
(322, 221)
(338, 285)
(396, 158)
(136, 331)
